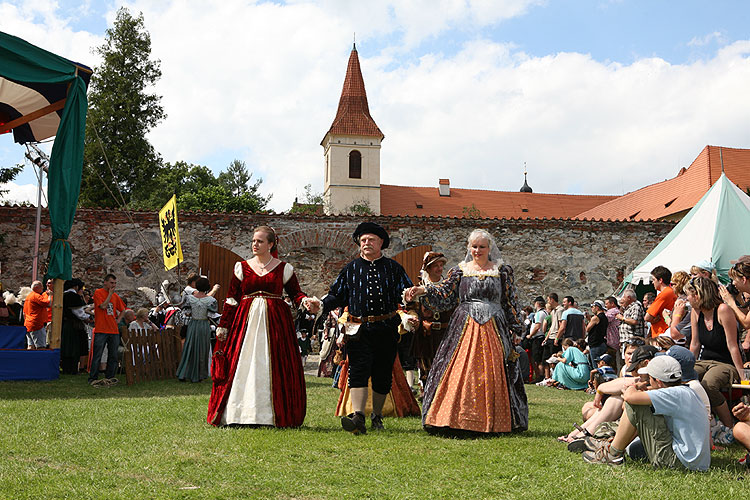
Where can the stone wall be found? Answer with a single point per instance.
(585, 259)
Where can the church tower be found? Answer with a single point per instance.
(352, 149)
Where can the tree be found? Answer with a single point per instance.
(121, 113)
(361, 207)
(237, 178)
(197, 188)
(312, 203)
(7, 174)
(472, 212)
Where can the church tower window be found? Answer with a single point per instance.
(355, 165)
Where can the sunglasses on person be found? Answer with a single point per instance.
(636, 342)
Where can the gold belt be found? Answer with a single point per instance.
(264, 295)
(371, 319)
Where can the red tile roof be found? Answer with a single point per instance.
(680, 193)
(426, 202)
(353, 116)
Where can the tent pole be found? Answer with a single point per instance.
(35, 266)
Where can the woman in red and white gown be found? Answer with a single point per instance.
(264, 382)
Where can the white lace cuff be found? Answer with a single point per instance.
(221, 331)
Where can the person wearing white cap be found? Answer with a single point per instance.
(668, 418)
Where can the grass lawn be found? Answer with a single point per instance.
(64, 439)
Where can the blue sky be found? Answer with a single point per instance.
(462, 89)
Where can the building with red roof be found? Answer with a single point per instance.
(352, 179)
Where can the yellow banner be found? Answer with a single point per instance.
(170, 236)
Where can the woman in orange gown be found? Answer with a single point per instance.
(475, 383)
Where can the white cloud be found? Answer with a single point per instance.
(262, 82)
(22, 193)
(704, 40)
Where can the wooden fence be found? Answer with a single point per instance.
(151, 355)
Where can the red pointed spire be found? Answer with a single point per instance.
(353, 116)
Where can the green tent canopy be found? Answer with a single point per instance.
(44, 95)
(714, 229)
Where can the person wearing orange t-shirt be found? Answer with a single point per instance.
(660, 278)
(108, 308)
(35, 312)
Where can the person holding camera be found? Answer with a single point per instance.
(732, 294)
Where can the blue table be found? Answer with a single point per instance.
(20, 364)
(12, 337)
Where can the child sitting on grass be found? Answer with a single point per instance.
(604, 372)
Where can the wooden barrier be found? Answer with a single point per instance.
(151, 355)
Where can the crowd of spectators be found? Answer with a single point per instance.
(660, 369)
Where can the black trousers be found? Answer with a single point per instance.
(371, 356)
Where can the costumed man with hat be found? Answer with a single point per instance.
(371, 286)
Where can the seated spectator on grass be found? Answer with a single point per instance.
(715, 343)
(607, 404)
(661, 342)
(572, 370)
(668, 419)
(602, 373)
(742, 429)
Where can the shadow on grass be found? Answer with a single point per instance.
(77, 387)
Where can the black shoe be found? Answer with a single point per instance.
(376, 422)
(354, 423)
(578, 445)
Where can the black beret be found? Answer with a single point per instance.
(371, 228)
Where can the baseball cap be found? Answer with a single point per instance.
(607, 358)
(642, 353)
(686, 360)
(664, 368)
(599, 303)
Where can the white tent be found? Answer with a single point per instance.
(717, 229)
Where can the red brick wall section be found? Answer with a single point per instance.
(547, 254)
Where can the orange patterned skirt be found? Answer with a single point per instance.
(473, 392)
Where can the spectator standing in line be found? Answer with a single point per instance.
(550, 344)
(108, 310)
(536, 337)
(661, 277)
(596, 331)
(613, 324)
(36, 309)
(571, 325)
(632, 323)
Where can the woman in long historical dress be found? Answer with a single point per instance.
(475, 383)
(264, 382)
(194, 362)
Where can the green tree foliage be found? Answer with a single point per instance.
(472, 212)
(122, 111)
(361, 207)
(7, 174)
(197, 188)
(312, 203)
